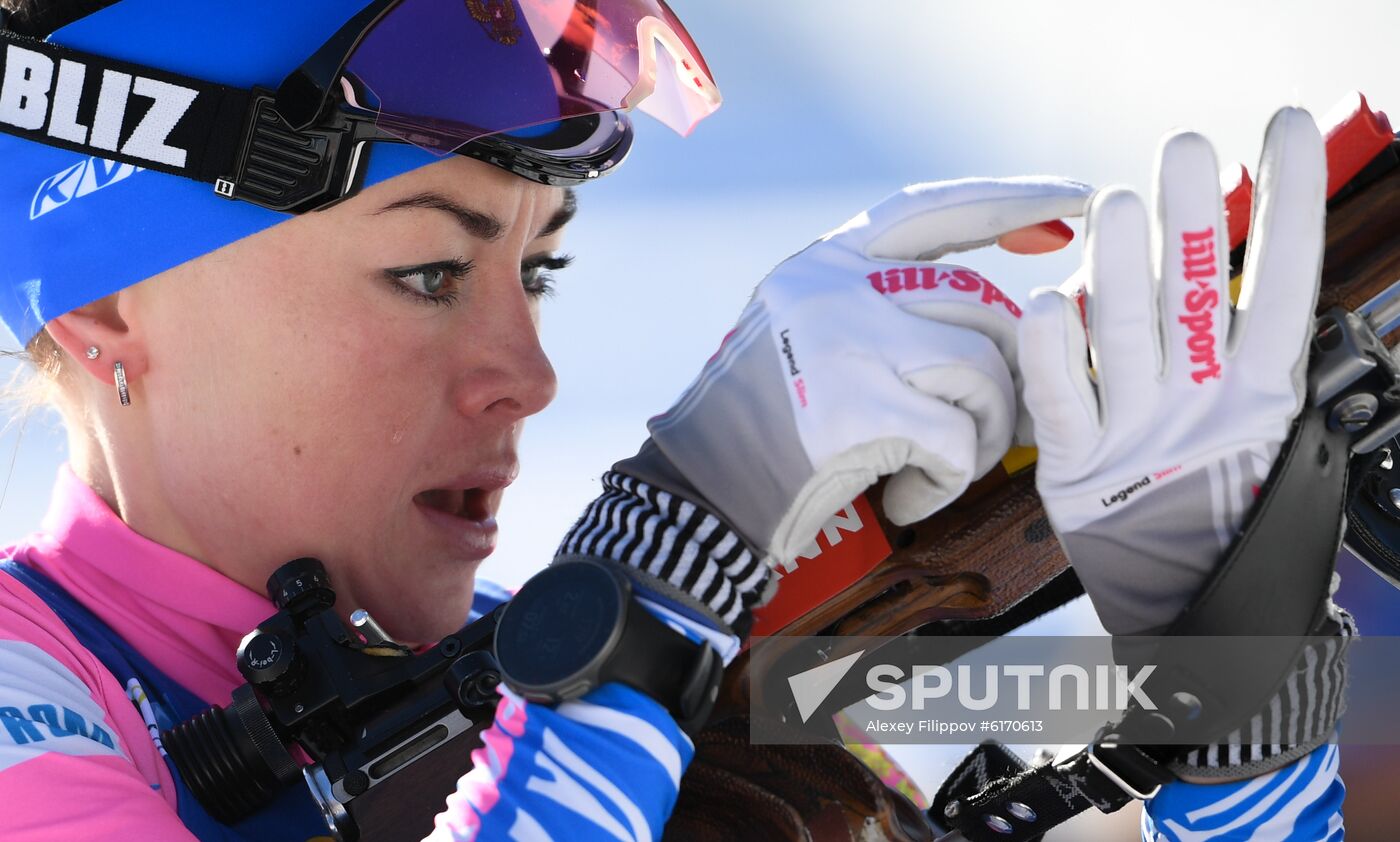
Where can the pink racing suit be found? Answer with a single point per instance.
(78, 754)
(100, 774)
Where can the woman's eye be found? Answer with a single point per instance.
(426, 281)
(436, 283)
(536, 281)
(535, 277)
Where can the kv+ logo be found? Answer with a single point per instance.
(86, 176)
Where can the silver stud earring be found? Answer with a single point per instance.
(93, 352)
(122, 393)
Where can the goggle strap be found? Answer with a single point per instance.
(236, 140)
(121, 112)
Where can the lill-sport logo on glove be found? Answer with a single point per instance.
(1199, 267)
(910, 278)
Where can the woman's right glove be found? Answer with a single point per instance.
(856, 358)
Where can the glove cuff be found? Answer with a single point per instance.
(1301, 716)
(674, 547)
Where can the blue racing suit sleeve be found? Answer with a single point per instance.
(606, 766)
(1301, 802)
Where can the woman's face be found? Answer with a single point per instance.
(351, 385)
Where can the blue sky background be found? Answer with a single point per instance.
(829, 107)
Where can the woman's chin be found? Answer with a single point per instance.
(423, 618)
(428, 631)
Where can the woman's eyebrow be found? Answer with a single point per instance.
(561, 217)
(481, 225)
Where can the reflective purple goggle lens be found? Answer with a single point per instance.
(441, 73)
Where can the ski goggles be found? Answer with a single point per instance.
(441, 73)
(533, 86)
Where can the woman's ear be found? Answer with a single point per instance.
(99, 325)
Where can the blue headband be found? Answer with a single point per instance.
(74, 229)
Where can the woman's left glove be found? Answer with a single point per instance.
(1149, 463)
(856, 358)
(1159, 425)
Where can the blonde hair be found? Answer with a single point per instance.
(38, 384)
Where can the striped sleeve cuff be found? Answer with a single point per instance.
(1301, 716)
(689, 554)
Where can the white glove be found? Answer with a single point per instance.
(1149, 461)
(859, 358)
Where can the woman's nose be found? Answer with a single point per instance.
(506, 371)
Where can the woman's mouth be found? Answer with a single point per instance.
(465, 515)
(466, 503)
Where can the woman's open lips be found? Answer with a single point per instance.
(466, 515)
(467, 503)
